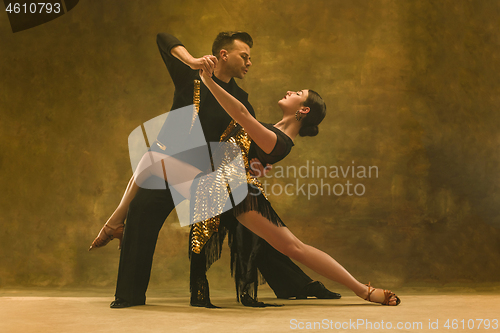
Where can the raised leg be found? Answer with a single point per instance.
(155, 164)
(114, 226)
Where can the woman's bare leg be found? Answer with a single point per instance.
(118, 217)
(282, 239)
(180, 174)
(151, 164)
(159, 165)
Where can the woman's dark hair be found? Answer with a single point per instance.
(225, 39)
(317, 112)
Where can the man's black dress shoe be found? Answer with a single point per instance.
(249, 301)
(318, 290)
(200, 294)
(119, 303)
(204, 304)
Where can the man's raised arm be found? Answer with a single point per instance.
(170, 46)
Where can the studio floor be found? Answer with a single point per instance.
(87, 311)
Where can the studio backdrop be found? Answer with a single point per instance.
(401, 185)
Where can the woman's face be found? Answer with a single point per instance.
(294, 100)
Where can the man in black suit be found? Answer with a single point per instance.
(149, 208)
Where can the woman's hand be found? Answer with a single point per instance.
(257, 169)
(209, 64)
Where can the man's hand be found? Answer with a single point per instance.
(206, 64)
(208, 67)
(257, 169)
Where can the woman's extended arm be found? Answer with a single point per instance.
(263, 137)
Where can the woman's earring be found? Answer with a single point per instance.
(297, 115)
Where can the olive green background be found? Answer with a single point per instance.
(412, 87)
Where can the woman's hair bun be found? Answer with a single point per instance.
(317, 112)
(311, 130)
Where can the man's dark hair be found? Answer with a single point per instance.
(225, 39)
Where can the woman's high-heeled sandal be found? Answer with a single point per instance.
(387, 296)
(115, 233)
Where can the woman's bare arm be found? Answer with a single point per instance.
(263, 137)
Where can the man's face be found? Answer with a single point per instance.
(238, 60)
